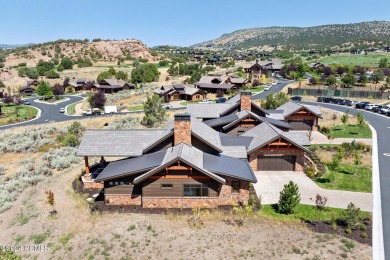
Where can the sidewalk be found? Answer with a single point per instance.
(319, 138)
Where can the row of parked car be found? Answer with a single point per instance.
(382, 109)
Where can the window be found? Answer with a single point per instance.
(196, 190)
(166, 186)
(235, 187)
(122, 183)
(111, 183)
(116, 183)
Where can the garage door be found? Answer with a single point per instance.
(301, 124)
(276, 163)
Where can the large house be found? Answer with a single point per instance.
(180, 92)
(187, 164)
(112, 85)
(300, 117)
(79, 85)
(255, 70)
(29, 88)
(240, 114)
(214, 83)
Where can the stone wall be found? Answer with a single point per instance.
(298, 153)
(122, 199)
(226, 197)
(92, 184)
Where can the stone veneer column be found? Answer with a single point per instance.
(246, 100)
(182, 129)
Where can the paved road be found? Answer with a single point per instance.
(382, 127)
(49, 112)
(274, 89)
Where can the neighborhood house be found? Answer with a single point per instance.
(189, 163)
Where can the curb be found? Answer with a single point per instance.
(378, 252)
(54, 103)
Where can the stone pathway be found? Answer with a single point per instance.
(319, 138)
(270, 184)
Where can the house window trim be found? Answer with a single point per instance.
(202, 187)
(239, 187)
(166, 188)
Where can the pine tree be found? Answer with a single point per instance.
(289, 198)
(155, 113)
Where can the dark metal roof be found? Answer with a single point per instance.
(222, 120)
(215, 86)
(228, 166)
(236, 141)
(131, 166)
(117, 142)
(210, 165)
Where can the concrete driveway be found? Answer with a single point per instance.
(270, 183)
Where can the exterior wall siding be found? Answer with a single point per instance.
(300, 117)
(299, 157)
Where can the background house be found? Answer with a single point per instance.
(180, 92)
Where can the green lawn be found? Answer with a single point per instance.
(369, 60)
(71, 109)
(348, 177)
(303, 212)
(139, 107)
(351, 131)
(24, 113)
(257, 89)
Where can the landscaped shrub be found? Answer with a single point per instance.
(325, 130)
(289, 198)
(352, 216)
(2, 170)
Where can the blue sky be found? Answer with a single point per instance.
(170, 21)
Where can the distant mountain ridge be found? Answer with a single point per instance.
(11, 46)
(296, 38)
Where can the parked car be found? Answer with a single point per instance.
(377, 109)
(274, 83)
(62, 110)
(385, 109)
(320, 99)
(267, 87)
(280, 82)
(296, 98)
(205, 101)
(326, 100)
(341, 101)
(370, 107)
(361, 105)
(167, 106)
(387, 113)
(221, 100)
(25, 102)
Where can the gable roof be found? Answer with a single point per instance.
(246, 114)
(214, 86)
(185, 153)
(291, 107)
(198, 129)
(265, 133)
(210, 165)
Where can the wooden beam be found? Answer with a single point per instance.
(86, 165)
(178, 177)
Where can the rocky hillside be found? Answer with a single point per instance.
(297, 38)
(95, 51)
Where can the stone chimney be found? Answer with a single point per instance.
(246, 100)
(182, 129)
